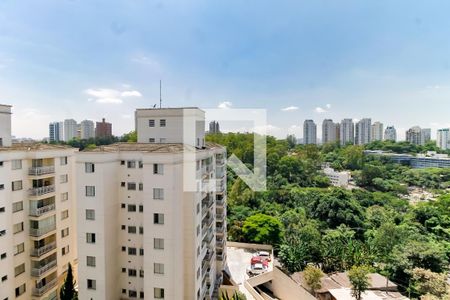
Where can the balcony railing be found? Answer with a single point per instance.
(37, 272)
(219, 243)
(220, 229)
(220, 215)
(220, 256)
(37, 171)
(37, 212)
(220, 202)
(36, 252)
(43, 230)
(39, 191)
(39, 291)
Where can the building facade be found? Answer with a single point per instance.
(363, 131)
(142, 232)
(103, 129)
(214, 127)
(87, 129)
(414, 135)
(309, 132)
(377, 131)
(347, 132)
(443, 138)
(54, 131)
(330, 131)
(70, 129)
(390, 134)
(37, 219)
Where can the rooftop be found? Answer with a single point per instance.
(34, 147)
(167, 108)
(150, 147)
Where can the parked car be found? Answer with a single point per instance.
(256, 269)
(263, 254)
(259, 260)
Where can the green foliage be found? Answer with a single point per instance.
(262, 229)
(359, 278)
(68, 291)
(236, 296)
(427, 282)
(313, 277)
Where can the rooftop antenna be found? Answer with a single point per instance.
(160, 99)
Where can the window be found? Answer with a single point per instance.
(198, 208)
(122, 162)
(65, 250)
(63, 178)
(16, 164)
(141, 208)
(4, 278)
(1, 163)
(17, 185)
(158, 268)
(64, 214)
(124, 291)
(131, 208)
(124, 249)
(141, 230)
(64, 196)
(2, 186)
(141, 164)
(198, 273)
(197, 165)
(132, 294)
(20, 248)
(90, 214)
(141, 295)
(151, 140)
(158, 243)
(131, 186)
(90, 238)
(90, 261)
(132, 272)
(162, 123)
(123, 205)
(141, 186)
(158, 219)
(2, 232)
(18, 227)
(91, 284)
(141, 273)
(123, 227)
(158, 193)
(124, 270)
(65, 232)
(63, 160)
(90, 191)
(132, 251)
(132, 229)
(2, 209)
(141, 252)
(20, 290)
(17, 206)
(158, 293)
(151, 123)
(3, 256)
(89, 167)
(198, 230)
(123, 183)
(131, 164)
(158, 169)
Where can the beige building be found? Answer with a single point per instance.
(37, 216)
(144, 231)
(377, 131)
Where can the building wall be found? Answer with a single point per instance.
(5, 125)
(70, 129)
(347, 132)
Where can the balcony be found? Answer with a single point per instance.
(37, 212)
(39, 191)
(219, 243)
(40, 290)
(36, 232)
(220, 202)
(38, 171)
(37, 272)
(220, 256)
(220, 229)
(36, 252)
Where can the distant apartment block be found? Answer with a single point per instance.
(418, 136)
(141, 233)
(443, 138)
(70, 129)
(330, 131)
(103, 129)
(55, 130)
(337, 178)
(363, 131)
(214, 127)
(5, 128)
(309, 132)
(347, 132)
(87, 129)
(377, 131)
(37, 216)
(390, 134)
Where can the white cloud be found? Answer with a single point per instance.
(131, 94)
(225, 105)
(103, 93)
(290, 108)
(320, 110)
(328, 106)
(109, 100)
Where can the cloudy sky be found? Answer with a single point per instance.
(389, 60)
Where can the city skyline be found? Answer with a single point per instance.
(382, 61)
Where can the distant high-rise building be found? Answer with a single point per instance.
(363, 131)
(54, 131)
(443, 138)
(425, 135)
(214, 127)
(347, 132)
(390, 134)
(70, 129)
(377, 131)
(414, 135)
(103, 129)
(87, 129)
(5, 126)
(329, 131)
(309, 132)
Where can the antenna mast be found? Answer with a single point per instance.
(160, 99)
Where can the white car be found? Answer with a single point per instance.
(256, 269)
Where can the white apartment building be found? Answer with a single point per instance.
(37, 216)
(70, 129)
(443, 138)
(390, 134)
(142, 234)
(309, 132)
(330, 131)
(87, 129)
(363, 131)
(377, 131)
(347, 132)
(336, 178)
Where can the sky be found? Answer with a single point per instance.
(388, 60)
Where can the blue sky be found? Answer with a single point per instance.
(389, 60)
